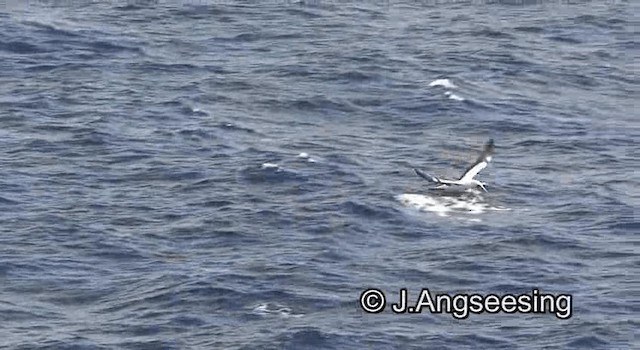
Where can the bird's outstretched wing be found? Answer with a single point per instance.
(480, 163)
(426, 176)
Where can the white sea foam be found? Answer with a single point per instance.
(197, 110)
(446, 205)
(454, 96)
(306, 156)
(274, 309)
(270, 166)
(445, 83)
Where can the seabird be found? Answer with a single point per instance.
(467, 179)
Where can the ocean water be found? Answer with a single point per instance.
(235, 174)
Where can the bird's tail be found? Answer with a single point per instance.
(427, 176)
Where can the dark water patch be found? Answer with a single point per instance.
(609, 254)
(271, 175)
(130, 7)
(530, 143)
(588, 342)
(307, 337)
(512, 126)
(303, 13)
(356, 76)
(7, 201)
(232, 85)
(168, 174)
(341, 158)
(119, 252)
(545, 242)
(30, 103)
(129, 158)
(202, 134)
(294, 70)
(76, 342)
(77, 297)
(492, 34)
(137, 5)
(257, 152)
(217, 204)
(509, 58)
(90, 138)
(151, 344)
(207, 12)
(421, 105)
(188, 321)
(20, 47)
(51, 30)
(316, 104)
(57, 67)
(369, 102)
(217, 298)
(199, 185)
(37, 145)
(365, 210)
(151, 66)
(467, 265)
(111, 47)
(17, 315)
(529, 29)
(301, 189)
(243, 38)
(286, 36)
(474, 340)
(565, 39)
(373, 13)
(600, 21)
(625, 226)
(319, 103)
(577, 79)
(136, 296)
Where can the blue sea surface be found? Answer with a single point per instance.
(234, 174)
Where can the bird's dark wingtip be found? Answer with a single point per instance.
(490, 146)
(426, 176)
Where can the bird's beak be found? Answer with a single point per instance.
(482, 185)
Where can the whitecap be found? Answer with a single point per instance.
(424, 203)
(270, 166)
(265, 309)
(454, 96)
(200, 111)
(305, 155)
(445, 206)
(446, 83)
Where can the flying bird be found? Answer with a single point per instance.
(467, 178)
